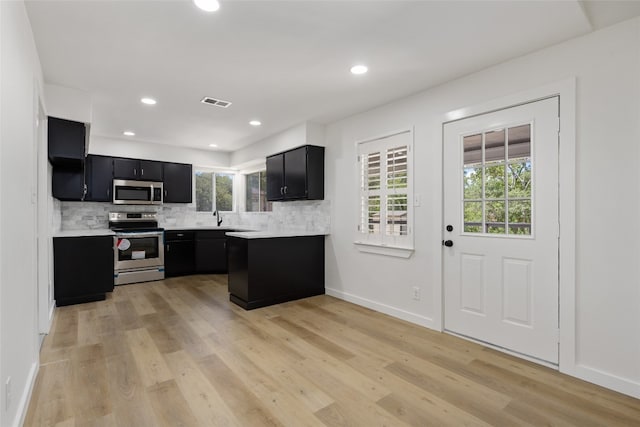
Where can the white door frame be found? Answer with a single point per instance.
(566, 89)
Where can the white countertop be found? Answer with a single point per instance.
(273, 234)
(202, 227)
(84, 233)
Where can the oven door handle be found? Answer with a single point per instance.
(142, 234)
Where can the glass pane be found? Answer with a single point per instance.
(252, 196)
(371, 175)
(473, 217)
(143, 247)
(494, 146)
(204, 191)
(397, 215)
(494, 182)
(520, 142)
(224, 192)
(495, 216)
(519, 179)
(520, 217)
(397, 167)
(472, 145)
(373, 214)
(473, 182)
(265, 206)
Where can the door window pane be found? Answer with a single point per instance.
(497, 172)
(473, 182)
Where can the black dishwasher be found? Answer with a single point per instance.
(179, 253)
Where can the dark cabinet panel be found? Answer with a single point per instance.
(275, 177)
(211, 251)
(126, 168)
(99, 177)
(263, 272)
(67, 183)
(296, 174)
(150, 170)
(179, 253)
(177, 183)
(66, 142)
(83, 268)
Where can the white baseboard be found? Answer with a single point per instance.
(23, 405)
(604, 379)
(382, 308)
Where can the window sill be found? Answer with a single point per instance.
(394, 251)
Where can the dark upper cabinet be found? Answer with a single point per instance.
(99, 177)
(142, 170)
(177, 183)
(83, 268)
(66, 142)
(67, 183)
(296, 174)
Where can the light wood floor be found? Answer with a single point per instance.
(178, 353)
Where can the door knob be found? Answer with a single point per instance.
(449, 228)
(447, 243)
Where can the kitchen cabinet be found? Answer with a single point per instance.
(179, 253)
(67, 183)
(177, 185)
(267, 271)
(136, 169)
(296, 174)
(211, 251)
(99, 177)
(66, 142)
(83, 268)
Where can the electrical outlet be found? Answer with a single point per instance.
(7, 393)
(416, 293)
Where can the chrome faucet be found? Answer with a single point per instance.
(217, 215)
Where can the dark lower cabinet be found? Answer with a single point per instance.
(179, 253)
(83, 268)
(270, 271)
(211, 251)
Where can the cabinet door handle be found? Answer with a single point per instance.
(180, 235)
(165, 193)
(281, 190)
(285, 189)
(141, 171)
(168, 247)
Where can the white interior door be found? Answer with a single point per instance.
(501, 228)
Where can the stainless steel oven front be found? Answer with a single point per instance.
(138, 256)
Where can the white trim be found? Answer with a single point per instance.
(388, 250)
(23, 405)
(382, 308)
(606, 379)
(566, 90)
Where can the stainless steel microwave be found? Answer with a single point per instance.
(130, 192)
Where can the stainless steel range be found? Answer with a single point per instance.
(138, 247)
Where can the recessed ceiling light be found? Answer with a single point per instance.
(129, 133)
(359, 69)
(148, 101)
(255, 122)
(213, 145)
(207, 5)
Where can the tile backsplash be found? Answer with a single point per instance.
(307, 216)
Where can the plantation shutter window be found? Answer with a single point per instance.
(385, 216)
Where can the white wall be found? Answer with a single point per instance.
(304, 133)
(607, 67)
(21, 79)
(152, 151)
(68, 103)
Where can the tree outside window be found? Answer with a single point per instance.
(256, 192)
(214, 191)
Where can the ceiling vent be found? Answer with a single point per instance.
(216, 102)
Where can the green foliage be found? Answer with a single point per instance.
(224, 192)
(204, 191)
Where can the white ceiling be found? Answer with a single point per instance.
(281, 62)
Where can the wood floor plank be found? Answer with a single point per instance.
(202, 397)
(151, 365)
(177, 352)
